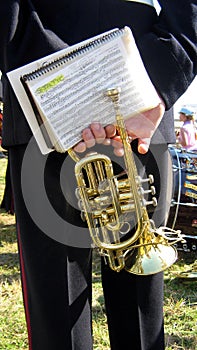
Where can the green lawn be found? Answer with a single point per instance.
(180, 302)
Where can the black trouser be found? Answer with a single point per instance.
(56, 262)
(134, 304)
(56, 277)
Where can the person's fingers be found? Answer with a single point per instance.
(95, 134)
(143, 145)
(80, 147)
(88, 137)
(118, 146)
(116, 142)
(107, 142)
(119, 152)
(110, 131)
(98, 132)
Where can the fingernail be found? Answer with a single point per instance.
(96, 126)
(143, 148)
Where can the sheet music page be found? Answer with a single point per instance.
(72, 95)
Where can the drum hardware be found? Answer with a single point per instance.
(183, 209)
(173, 203)
(175, 168)
(189, 246)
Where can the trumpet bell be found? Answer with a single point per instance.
(157, 259)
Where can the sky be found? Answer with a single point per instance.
(189, 99)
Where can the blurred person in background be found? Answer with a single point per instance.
(187, 134)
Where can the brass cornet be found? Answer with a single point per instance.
(115, 210)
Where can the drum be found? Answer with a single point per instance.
(183, 210)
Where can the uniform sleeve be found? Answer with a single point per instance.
(23, 37)
(169, 52)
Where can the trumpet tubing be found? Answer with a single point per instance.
(115, 209)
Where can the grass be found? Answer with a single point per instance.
(180, 304)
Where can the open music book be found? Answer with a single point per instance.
(64, 92)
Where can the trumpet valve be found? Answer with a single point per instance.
(149, 179)
(152, 191)
(152, 202)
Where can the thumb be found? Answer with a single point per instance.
(143, 145)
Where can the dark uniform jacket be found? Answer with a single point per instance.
(31, 29)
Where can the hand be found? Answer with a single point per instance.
(96, 133)
(141, 126)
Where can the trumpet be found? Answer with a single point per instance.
(115, 209)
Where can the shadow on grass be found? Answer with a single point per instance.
(7, 229)
(9, 260)
(9, 263)
(176, 342)
(7, 234)
(10, 279)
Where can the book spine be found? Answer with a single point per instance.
(72, 54)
